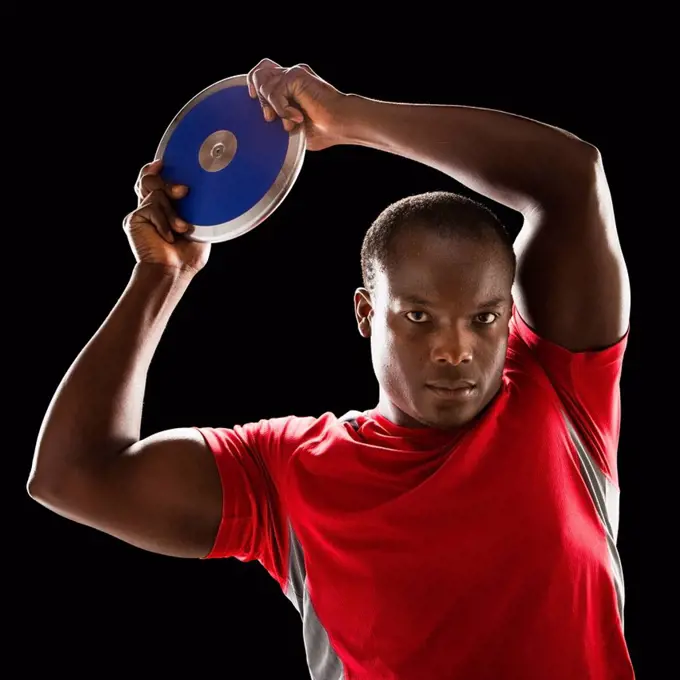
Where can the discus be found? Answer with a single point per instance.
(238, 167)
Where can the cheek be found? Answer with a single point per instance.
(393, 356)
(493, 356)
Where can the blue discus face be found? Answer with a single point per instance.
(221, 196)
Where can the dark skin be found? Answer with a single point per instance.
(436, 317)
(163, 493)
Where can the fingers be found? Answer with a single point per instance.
(152, 212)
(256, 79)
(149, 180)
(271, 84)
(150, 170)
(309, 70)
(157, 210)
(264, 65)
(267, 109)
(271, 95)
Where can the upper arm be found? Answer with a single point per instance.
(162, 494)
(572, 285)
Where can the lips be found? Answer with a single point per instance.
(452, 386)
(457, 391)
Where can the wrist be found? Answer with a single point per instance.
(157, 282)
(354, 119)
(152, 293)
(154, 272)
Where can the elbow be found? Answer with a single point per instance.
(46, 484)
(578, 181)
(38, 484)
(592, 158)
(585, 161)
(570, 175)
(32, 488)
(54, 495)
(37, 488)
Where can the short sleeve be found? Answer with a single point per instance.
(588, 386)
(250, 460)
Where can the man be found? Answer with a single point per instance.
(465, 527)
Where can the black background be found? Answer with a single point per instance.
(267, 328)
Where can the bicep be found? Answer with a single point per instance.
(572, 283)
(163, 494)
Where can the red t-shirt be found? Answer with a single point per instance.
(416, 554)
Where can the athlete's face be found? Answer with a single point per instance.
(438, 324)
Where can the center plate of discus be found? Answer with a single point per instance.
(217, 151)
(238, 167)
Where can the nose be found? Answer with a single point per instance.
(452, 346)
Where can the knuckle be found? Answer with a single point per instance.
(156, 197)
(162, 194)
(150, 183)
(258, 78)
(134, 218)
(144, 171)
(266, 89)
(271, 87)
(150, 203)
(142, 213)
(146, 200)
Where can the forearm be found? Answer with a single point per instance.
(97, 409)
(513, 160)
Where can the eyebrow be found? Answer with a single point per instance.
(493, 302)
(416, 300)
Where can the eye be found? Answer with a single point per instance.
(416, 317)
(486, 318)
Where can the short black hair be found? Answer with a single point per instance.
(442, 212)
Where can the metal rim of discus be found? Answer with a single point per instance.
(274, 196)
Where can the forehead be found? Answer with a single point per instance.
(445, 269)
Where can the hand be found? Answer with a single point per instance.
(155, 232)
(299, 97)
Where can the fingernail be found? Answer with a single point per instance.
(295, 115)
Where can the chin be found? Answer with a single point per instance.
(425, 408)
(448, 420)
(446, 414)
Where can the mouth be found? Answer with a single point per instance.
(460, 390)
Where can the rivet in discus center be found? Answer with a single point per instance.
(217, 151)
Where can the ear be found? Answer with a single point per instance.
(362, 310)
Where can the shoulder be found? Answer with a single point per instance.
(527, 346)
(274, 436)
(588, 378)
